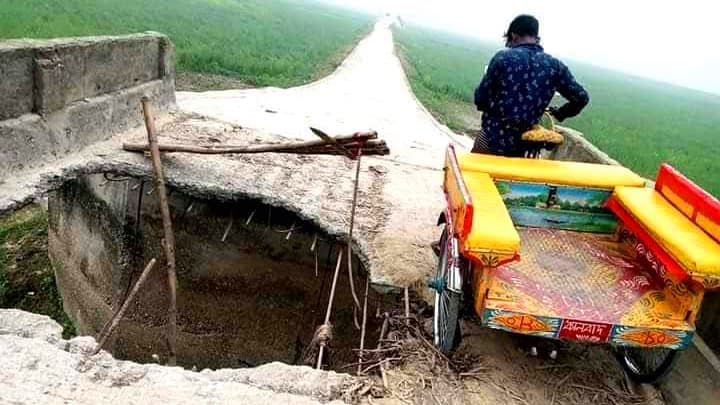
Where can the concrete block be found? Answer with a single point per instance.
(87, 122)
(16, 81)
(25, 141)
(58, 96)
(167, 58)
(82, 68)
(126, 109)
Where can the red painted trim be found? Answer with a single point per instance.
(703, 202)
(634, 226)
(467, 221)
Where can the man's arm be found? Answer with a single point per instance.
(576, 96)
(482, 92)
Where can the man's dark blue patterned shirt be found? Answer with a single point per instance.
(518, 86)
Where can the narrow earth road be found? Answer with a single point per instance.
(368, 91)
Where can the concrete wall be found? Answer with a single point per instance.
(578, 149)
(59, 95)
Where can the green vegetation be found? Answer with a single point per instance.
(265, 43)
(640, 122)
(27, 280)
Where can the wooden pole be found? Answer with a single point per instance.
(329, 140)
(383, 330)
(374, 148)
(329, 307)
(350, 230)
(364, 323)
(169, 240)
(350, 140)
(115, 320)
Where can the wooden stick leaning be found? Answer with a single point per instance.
(169, 240)
(350, 231)
(383, 330)
(364, 323)
(115, 320)
(326, 324)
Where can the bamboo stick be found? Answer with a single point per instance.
(350, 231)
(329, 307)
(376, 148)
(325, 137)
(169, 240)
(367, 152)
(383, 330)
(286, 147)
(115, 320)
(364, 323)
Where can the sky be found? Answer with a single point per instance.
(671, 41)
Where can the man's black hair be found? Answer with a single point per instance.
(523, 25)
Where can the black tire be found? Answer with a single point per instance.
(446, 311)
(645, 365)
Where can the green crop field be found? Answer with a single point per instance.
(639, 122)
(265, 43)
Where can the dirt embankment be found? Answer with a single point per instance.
(27, 280)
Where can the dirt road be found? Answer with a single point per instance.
(368, 91)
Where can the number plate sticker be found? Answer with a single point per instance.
(585, 331)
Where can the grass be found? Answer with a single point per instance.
(27, 280)
(265, 43)
(639, 122)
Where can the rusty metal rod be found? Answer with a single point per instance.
(115, 320)
(169, 240)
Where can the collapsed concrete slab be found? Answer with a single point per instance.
(253, 279)
(40, 367)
